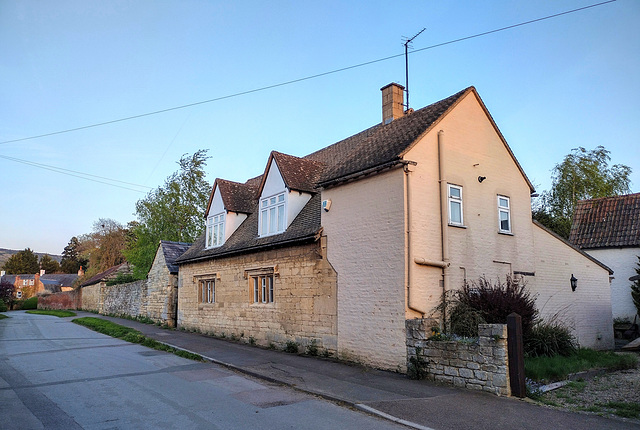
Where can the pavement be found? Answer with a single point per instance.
(390, 395)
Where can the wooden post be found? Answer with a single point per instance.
(516, 355)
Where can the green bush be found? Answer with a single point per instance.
(121, 278)
(30, 303)
(548, 339)
(3, 306)
(291, 346)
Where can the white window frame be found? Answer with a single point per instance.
(263, 289)
(18, 294)
(455, 200)
(506, 210)
(207, 291)
(273, 215)
(215, 230)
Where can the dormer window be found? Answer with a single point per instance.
(273, 215)
(215, 230)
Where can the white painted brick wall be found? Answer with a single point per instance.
(365, 245)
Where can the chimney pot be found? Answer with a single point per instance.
(392, 102)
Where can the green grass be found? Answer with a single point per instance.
(130, 335)
(624, 409)
(558, 368)
(3, 316)
(55, 313)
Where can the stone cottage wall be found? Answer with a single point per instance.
(303, 311)
(161, 292)
(482, 365)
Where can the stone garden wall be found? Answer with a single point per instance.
(481, 365)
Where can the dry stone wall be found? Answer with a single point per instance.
(482, 365)
(127, 299)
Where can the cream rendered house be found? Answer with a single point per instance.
(344, 245)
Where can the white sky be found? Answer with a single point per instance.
(551, 86)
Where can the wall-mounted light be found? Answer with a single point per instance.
(481, 178)
(574, 283)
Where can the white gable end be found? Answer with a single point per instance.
(274, 183)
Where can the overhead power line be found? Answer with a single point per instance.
(81, 175)
(306, 78)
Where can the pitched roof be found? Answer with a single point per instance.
(236, 197)
(171, 251)
(107, 274)
(63, 279)
(375, 148)
(305, 227)
(298, 174)
(607, 222)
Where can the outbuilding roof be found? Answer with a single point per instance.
(171, 251)
(607, 222)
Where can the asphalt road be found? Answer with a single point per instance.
(57, 375)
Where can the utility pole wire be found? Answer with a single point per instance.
(81, 175)
(306, 78)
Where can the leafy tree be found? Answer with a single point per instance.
(104, 245)
(22, 262)
(581, 175)
(48, 264)
(71, 258)
(6, 291)
(173, 211)
(635, 288)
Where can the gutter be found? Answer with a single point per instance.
(309, 238)
(370, 171)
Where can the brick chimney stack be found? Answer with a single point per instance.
(392, 102)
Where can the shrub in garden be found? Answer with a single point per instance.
(3, 306)
(550, 338)
(482, 301)
(30, 303)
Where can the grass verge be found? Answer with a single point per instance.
(54, 312)
(3, 316)
(557, 368)
(130, 335)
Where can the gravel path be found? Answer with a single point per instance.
(601, 395)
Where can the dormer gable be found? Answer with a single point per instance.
(288, 183)
(229, 205)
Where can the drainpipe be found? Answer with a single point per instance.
(444, 219)
(407, 241)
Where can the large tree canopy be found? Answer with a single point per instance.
(48, 264)
(71, 258)
(104, 245)
(581, 175)
(174, 211)
(23, 262)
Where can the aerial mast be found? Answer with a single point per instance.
(406, 64)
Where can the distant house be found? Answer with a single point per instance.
(340, 248)
(29, 285)
(609, 229)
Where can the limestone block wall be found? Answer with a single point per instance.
(91, 299)
(478, 366)
(304, 307)
(125, 299)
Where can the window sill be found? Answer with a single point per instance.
(506, 233)
(203, 306)
(457, 225)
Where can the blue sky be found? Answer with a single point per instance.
(551, 86)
